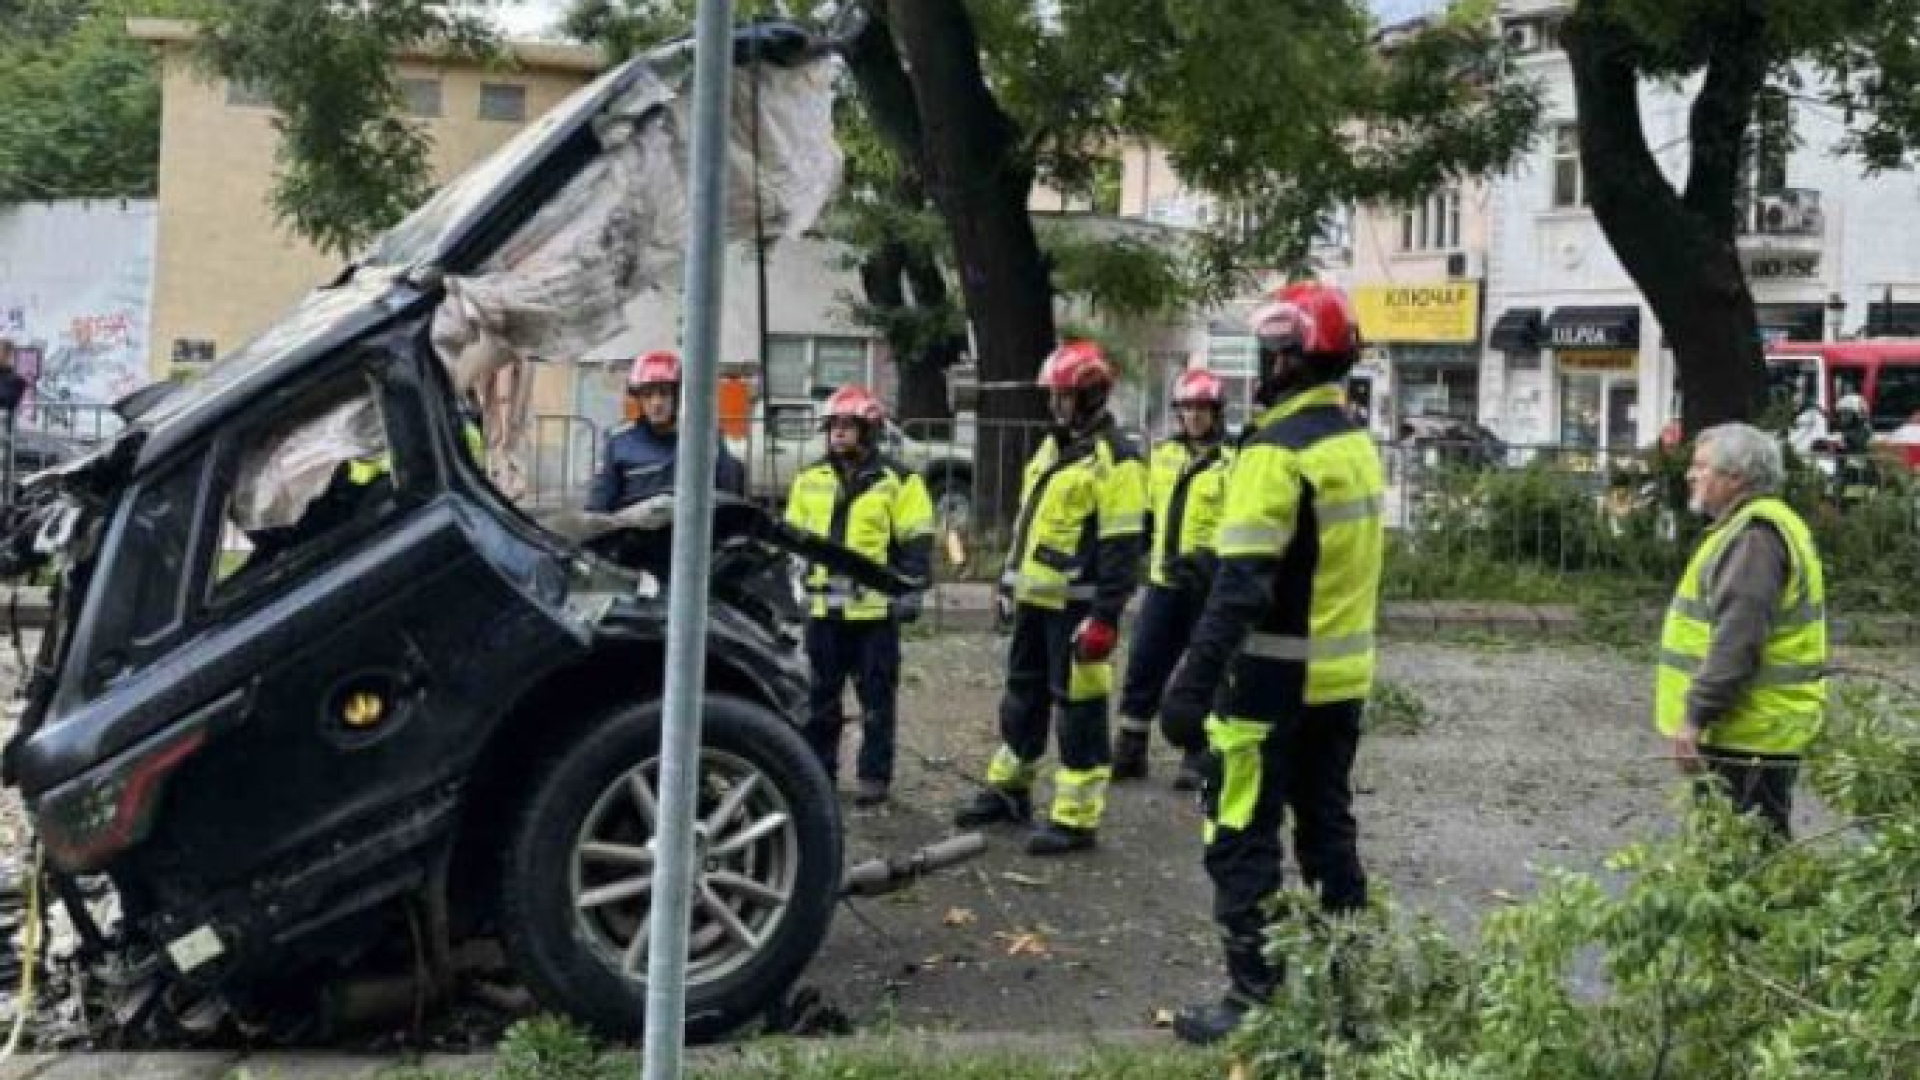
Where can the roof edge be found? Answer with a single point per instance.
(527, 53)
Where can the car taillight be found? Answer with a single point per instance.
(91, 818)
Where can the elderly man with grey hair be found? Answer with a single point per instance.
(1741, 689)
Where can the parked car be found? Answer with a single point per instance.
(407, 713)
(1449, 440)
(947, 466)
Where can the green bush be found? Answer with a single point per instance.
(1545, 534)
(1720, 955)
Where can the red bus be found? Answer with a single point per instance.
(1884, 372)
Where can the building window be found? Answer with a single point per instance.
(839, 361)
(247, 94)
(1432, 224)
(787, 366)
(1569, 185)
(801, 367)
(421, 97)
(503, 101)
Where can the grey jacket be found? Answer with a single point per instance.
(1744, 591)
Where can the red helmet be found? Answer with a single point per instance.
(659, 366)
(1076, 365)
(852, 402)
(1311, 319)
(1198, 386)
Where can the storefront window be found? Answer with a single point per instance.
(1599, 412)
(1580, 412)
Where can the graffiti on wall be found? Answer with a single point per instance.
(75, 300)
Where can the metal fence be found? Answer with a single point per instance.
(40, 434)
(1458, 512)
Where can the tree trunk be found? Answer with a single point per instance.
(893, 267)
(922, 369)
(923, 382)
(971, 161)
(1680, 249)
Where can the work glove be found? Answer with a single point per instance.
(1183, 712)
(907, 608)
(1093, 640)
(1003, 606)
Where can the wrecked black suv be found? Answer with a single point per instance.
(315, 695)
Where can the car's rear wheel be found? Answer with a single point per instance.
(579, 869)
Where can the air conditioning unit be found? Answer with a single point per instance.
(1787, 213)
(1522, 36)
(1467, 265)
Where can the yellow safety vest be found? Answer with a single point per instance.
(1187, 492)
(1784, 707)
(366, 470)
(1306, 488)
(886, 506)
(1070, 501)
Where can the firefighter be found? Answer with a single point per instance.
(1072, 566)
(1282, 660)
(1186, 483)
(639, 459)
(857, 497)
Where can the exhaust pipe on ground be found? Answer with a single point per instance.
(879, 876)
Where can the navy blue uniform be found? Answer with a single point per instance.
(639, 464)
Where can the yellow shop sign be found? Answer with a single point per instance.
(1419, 313)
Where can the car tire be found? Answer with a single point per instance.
(577, 867)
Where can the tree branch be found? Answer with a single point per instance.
(1622, 176)
(1718, 122)
(885, 89)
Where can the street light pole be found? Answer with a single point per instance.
(674, 847)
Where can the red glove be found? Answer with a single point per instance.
(1093, 640)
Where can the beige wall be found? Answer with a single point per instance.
(1379, 259)
(224, 268)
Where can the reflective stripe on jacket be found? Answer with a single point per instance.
(1784, 706)
(1083, 510)
(1187, 490)
(880, 509)
(1301, 541)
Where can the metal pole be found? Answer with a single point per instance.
(692, 540)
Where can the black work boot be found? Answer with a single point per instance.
(1193, 766)
(1204, 1025)
(1054, 838)
(1130, 756)
(990, 806)
(1252, 981)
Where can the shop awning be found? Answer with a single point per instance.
(1516, 330)
(1592, 328)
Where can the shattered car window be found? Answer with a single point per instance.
(146, 584)
(305, 477)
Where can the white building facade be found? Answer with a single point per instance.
(1572, 354)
